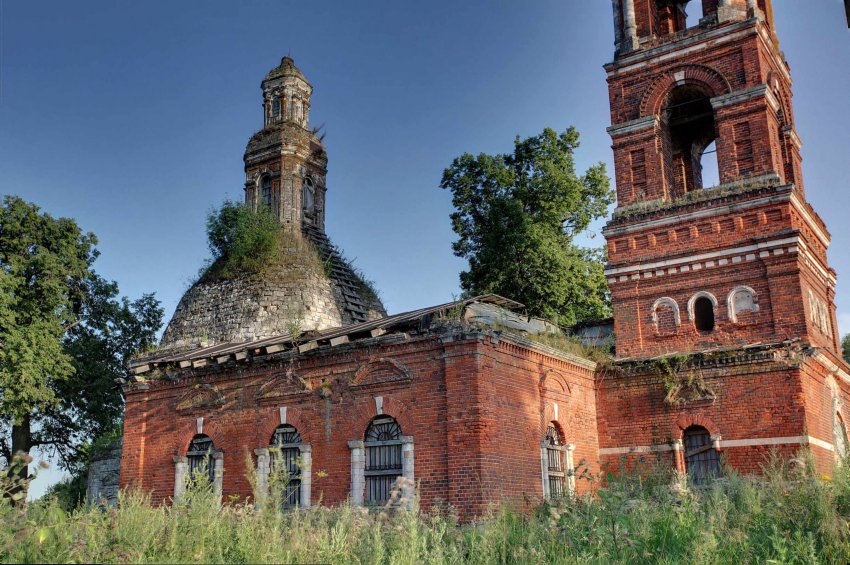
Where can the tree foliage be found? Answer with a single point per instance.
(240, 239)
(64, 336)
(517, 216)
(845, 347)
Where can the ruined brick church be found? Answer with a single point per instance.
(726, 341)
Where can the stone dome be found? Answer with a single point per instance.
(311, 288)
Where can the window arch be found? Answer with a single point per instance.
(383, 451)
(266, 190)
(308, 199)
(200, 457)
(741, 300)
(701, 310)
(702, 461)
(665, 316)
(285, 456)
(840, 433)
(689, 131)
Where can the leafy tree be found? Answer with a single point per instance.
(64, 336)
(845, 347)
(517, 216)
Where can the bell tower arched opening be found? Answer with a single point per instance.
(689, 131)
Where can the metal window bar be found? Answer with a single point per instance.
(383, 459)
(285, 455)
(702, 461)
(200, 458)
(555, 462)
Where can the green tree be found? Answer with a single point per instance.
(517, 216)
(845, 347)
(64, 336)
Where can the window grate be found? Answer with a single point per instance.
(200, 458)
(383, 459)
(285, 455)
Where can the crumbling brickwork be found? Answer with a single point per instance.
(476, 405)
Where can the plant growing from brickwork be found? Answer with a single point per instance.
(241, 240)
(516, 217)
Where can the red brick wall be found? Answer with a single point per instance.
(476, 410)
(753, 399)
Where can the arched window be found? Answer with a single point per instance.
(266, 190)
(702, 462)
(309, 195)
(840, 433)
(689, 132)
(383, 458)
(285, 453)
(704, 314)
(555, 461)
(665, 316)
(200, 457)
(276, 106)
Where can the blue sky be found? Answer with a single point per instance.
(132, 118)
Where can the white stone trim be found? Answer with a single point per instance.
(358, 472)
(407, 470)
(707, 213)
(832, 367)
(721, 443)
(633, 126)
(181, 469)
(704, 259)
(739, 96)
(282, 412)
(218, 473)
(730, 301)
(666, 300)
(306, 475)
(693, 299)
(199, 425)
(698, 43)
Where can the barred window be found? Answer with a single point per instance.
(555, 471)
(702, 462)
(285, 451)
(383, 458)
(200, 457)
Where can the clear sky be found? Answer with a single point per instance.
(132, 118)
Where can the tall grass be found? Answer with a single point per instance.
(783, 516)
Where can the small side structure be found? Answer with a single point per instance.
(104, 476)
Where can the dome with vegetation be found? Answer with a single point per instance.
(263, 281)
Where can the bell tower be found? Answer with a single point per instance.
(698, 263)
(285, 162)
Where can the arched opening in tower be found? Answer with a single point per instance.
(689, 138)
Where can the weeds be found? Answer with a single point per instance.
(786, 515)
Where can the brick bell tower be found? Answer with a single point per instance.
(691, 266)
(285, 162)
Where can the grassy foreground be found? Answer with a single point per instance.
(786, 516)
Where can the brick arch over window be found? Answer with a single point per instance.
(706, 77)
(212, 427)
(269, 421)
(390, 407)
(686, 421)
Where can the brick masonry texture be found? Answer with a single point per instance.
(723, 305)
